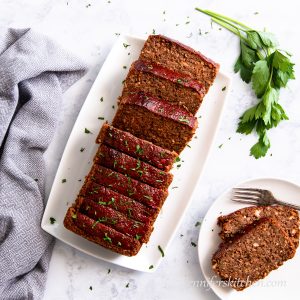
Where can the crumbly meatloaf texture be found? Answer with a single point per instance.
(155, 120)
(114, 219)
(101, 234)
(235, 222)
(132, 167)
(129, 187)
(180, 58)
(177, 88)
(263, 247)
(138, 148)
(109, 198)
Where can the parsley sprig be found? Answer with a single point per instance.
(269, 69)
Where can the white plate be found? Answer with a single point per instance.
(279, 284)
(75, 165)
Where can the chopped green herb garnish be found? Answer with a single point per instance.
(113, 107)
(187, 22)
(95, 223)
(74, 216)
(178, 166)
(224, 88)
(100, 118)
(183, 119)
(174, 187)
(107, 238)
(137, 237)
(153, 31)
(129, 212)
(126, 45)
(64, 180)
(148, 197)
(177, 159)
(124, 67)
(86, 130)
(127, 285)
(101, 99)
(158, 180)
(161, 250)
(117, 34)
(151, 267)
(52, 220)
(82, 149)
(139, 150)
(91, 287)
(198, 223)
(193, 244)
(108, 271)
(220, 146)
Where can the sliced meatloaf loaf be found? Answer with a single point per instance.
(177, 88)
(235, 222)
(132, 167)
(155, 120)
(127, 186)
(146, 151)
(263, 247)
(109, 198)
(114, 219)
(101, 234)
(180, 58)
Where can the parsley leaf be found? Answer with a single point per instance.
(260, 77)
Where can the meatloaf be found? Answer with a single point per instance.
(146, 151)
(107, 197)
(155, 120)
(251, 256)
(177, 88)
(127, 186)
(235, 222)
(132, 167)
(180, 58)
(101, 234)
(114, 219)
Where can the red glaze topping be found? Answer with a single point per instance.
(136, 147)
(165, 73)
(161, 107)
(125, 164)
(112, 199)
(127, 186)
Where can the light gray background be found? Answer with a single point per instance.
(88, 29)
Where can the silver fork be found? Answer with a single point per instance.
(258, 197)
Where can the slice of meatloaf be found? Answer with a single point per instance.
(235, 222)
(146, 151)
(177, 88)
(263, 247)
(180, 58)
(155, 120)
(114, 219)
(132, 167)
(127, 186)
(107, 197)
(101, 234)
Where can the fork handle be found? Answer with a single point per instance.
(287, 204)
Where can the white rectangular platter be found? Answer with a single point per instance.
(100, 106)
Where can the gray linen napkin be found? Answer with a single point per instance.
(34, 72)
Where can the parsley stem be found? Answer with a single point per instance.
(219, 16)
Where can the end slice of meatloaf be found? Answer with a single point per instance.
(127, 186)
(253, 255)
(100, 234)
(177, 88)
(107, 197)
(155, 120)
(144, 150)
(180, 58)
(114, 219)
(235, 222)
(132, 167)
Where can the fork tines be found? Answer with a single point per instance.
(246, 195)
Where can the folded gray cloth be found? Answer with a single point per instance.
(34, 72)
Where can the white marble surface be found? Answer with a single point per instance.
(88, 29)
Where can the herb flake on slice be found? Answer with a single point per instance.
(161, 251)
(52, 220)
